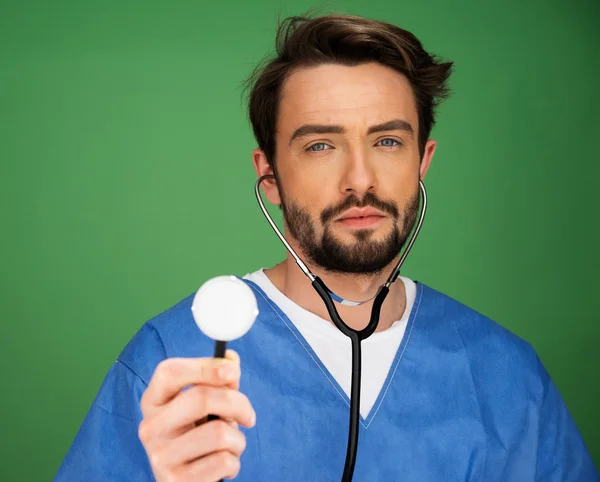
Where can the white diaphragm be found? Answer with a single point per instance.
(224, 308)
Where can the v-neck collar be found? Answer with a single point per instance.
(365, 422)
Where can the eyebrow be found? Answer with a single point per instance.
(308, 129)
(393, 125)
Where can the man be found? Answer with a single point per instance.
(342, 116)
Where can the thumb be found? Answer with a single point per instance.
(235, 358)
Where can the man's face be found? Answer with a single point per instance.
(347, 162)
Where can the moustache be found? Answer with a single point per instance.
(352, 201)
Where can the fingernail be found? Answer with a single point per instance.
(253, 418)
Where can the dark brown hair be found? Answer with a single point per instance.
(347, 40)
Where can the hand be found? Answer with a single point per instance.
(181, 444)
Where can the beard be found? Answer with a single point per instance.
(363, 256)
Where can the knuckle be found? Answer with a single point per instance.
(172, 476)
(234, 398)
(156, 458)
(244, 403)
(243, 441)
(230, 463)
(225, 396)
(200, 395)
(159, 373)
(144, 431)
(205, 371)
(166, 369)
(220, 433)
(144, 401)
(241, 399)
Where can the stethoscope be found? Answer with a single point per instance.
(356, 336)
(228, 324)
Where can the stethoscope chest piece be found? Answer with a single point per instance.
(224, 308)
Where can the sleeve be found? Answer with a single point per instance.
(107, 446)
(562, 453)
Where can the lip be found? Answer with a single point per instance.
(357, 213)
(366, 222)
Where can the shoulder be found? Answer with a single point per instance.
(475, 329)
(171, 333)
(491, 349)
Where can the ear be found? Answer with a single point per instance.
(427, 156)
(262, 168)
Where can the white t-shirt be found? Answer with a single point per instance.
(334, 348)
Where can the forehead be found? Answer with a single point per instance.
(358, 96)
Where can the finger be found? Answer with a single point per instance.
(173, 374)
(216, 466)
(233, 423)
(195, 404)
(201, 441)
(234, 358)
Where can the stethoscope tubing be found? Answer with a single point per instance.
(356, 336)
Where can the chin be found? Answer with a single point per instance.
(361, 235)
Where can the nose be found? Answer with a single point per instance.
(358, 177)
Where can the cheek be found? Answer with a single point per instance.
(314, 203)
(307, 189)
(399, 184)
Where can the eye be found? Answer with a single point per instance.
(319, 146)
(388, 142)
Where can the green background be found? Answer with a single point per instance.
(126, 181)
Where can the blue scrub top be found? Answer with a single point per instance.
(464, 400)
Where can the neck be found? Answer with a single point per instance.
(291, 281)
